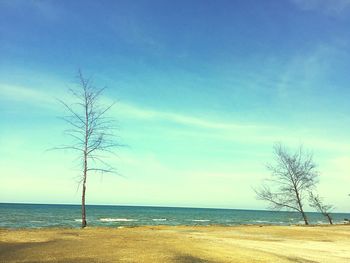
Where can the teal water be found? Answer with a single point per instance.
(42, 215)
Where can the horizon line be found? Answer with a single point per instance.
(162, 206)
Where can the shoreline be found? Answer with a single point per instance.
(210, 244)
(42, 216)
(170, 226)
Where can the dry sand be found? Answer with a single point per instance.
(178, 244)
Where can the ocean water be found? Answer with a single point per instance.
(43, 215)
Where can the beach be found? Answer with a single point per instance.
(178, 244)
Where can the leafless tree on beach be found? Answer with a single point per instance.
(293, 176)
(317, 203)
(92, 132)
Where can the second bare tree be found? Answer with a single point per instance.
(293, 175)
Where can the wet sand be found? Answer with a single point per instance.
(208, 244)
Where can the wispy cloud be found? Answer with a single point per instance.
(212, 129)
(47, 9)
(132, 32)
(126, 110)
(143, 113)
(25, 95)
(305, 72)
(330, 7)
(231, 131)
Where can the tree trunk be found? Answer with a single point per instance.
(304, 217)
(329, 219)
(300, 205)
(83, 211)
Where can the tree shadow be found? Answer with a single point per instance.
(190, 259)
(9, 252)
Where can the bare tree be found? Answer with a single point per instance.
(91, 132)
(292, 176)
(317, 203)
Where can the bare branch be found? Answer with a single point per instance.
(72, 111)
(66, 148)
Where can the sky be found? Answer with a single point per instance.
(203, 90)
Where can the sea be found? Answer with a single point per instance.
(52, 215)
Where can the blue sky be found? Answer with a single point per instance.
(204, 90)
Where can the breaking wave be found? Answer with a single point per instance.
(117, 220)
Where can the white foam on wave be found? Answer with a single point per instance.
(78, 220)
(159, 219)
(117, 220)
(200, 220)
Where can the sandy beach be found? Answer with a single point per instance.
(178, 244)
